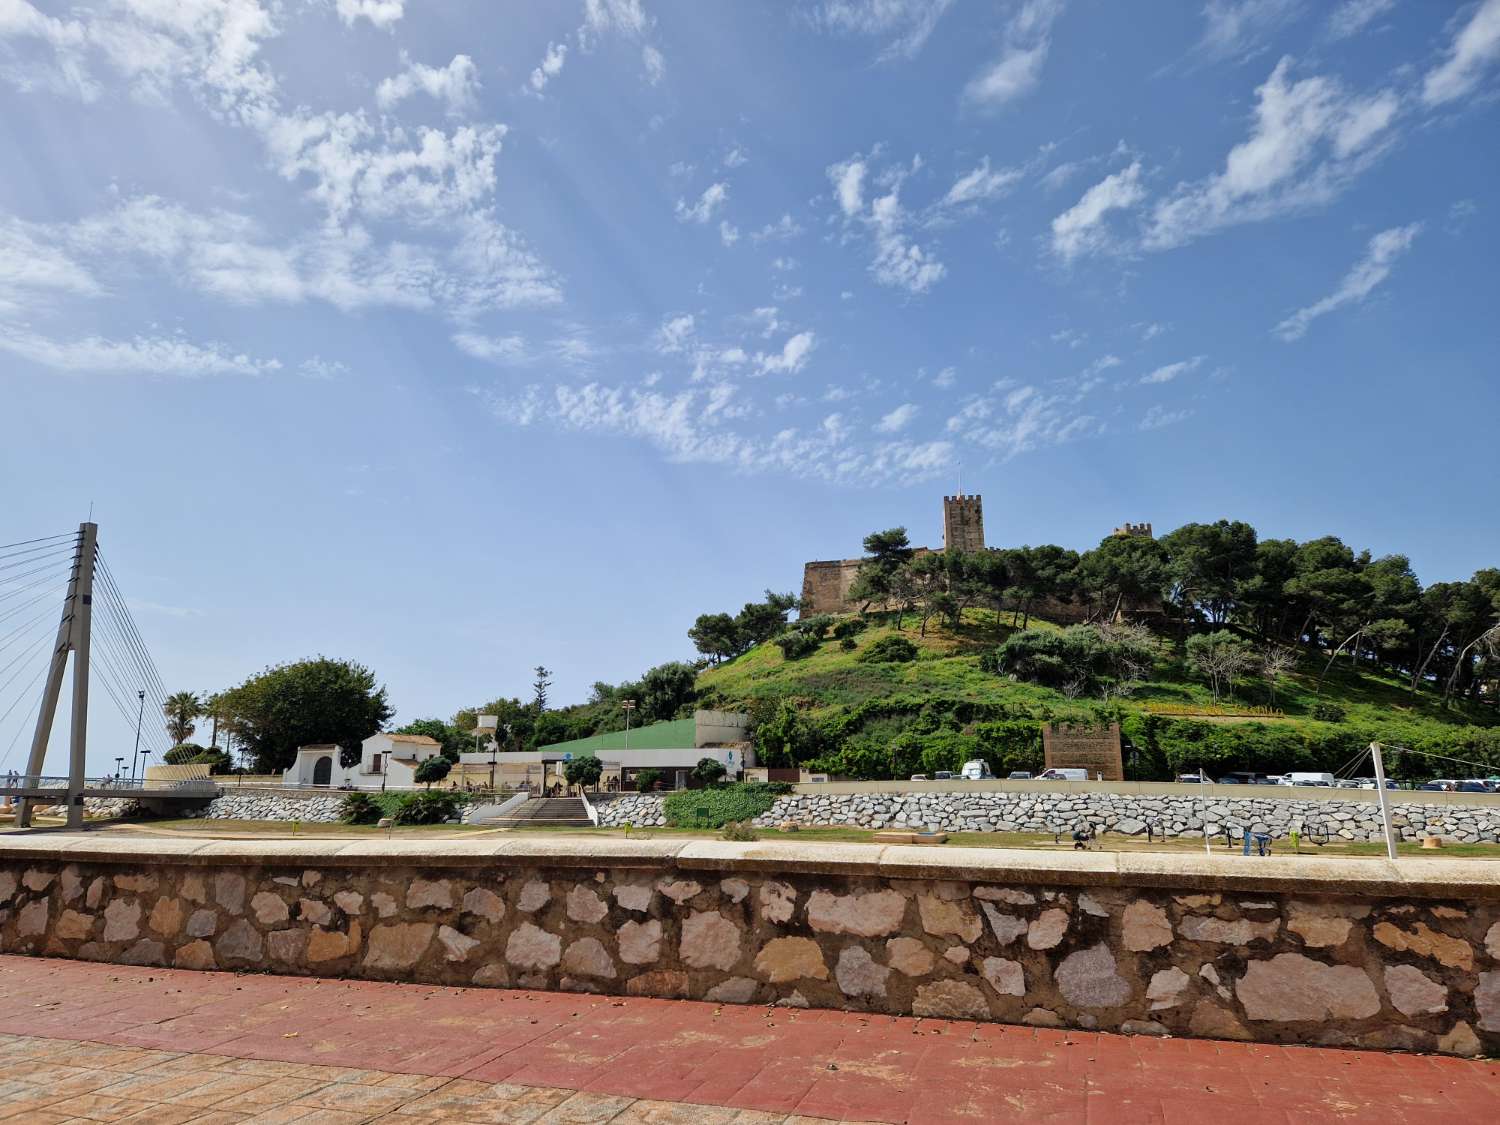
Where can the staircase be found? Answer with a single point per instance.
(544, 812)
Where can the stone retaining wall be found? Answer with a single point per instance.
(264, 804)
(1358, 952)
(1129, 814)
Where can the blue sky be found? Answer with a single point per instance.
(458, 338)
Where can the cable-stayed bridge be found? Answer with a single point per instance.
(96, 639)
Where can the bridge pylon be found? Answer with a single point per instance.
(72, 636)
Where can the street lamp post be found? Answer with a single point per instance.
(140, 715)
(119, 768)
(629, 706)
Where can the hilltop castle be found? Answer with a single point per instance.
(826, 583)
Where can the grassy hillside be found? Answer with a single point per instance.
(833, 710)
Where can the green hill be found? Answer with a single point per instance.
(837, 710)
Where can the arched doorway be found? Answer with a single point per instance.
(323, 770)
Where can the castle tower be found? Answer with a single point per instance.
(963, 523)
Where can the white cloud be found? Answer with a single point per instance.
(654, 62)
(1149, 330)
(675, 332)
(1167, 372)
(1309, 139)
(1358, 283)
(140, 355)
(1240, 28)
(550, 66)
(381, 13)
(505, 350)
(900, 262)
(1080, 228)
(910, 21)
(945, 378)
(1475, 48)
(714, 196)
(456, 85)
(1018, 68)
(227, 256)
(1158, 416)
(698, 426)
(848, 179)
(898, 419)
(783, 228)
(1353, 16)
(729, 234)
(1019, 420)
(792, 357)
(980, 184)
(31, 262)
(600, 16)
(316, 367)
(735, 158)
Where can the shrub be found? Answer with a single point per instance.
(714, 808)
(360, 808)
(709, 771)
(1326, 712)
(849, 628)
(646, 780)
(429, 807)
(795, 644)
(890, 650)
(741, 831)
(182, 754)
(848, 644)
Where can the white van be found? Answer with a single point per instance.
(1056, 774)
(977, 770)
(1326, 780)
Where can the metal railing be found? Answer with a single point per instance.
(123, 785)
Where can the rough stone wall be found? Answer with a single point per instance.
(644, 810)
(1367, 971)
(1127, 814)
(261, 804)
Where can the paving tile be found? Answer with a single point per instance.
(585, 1109)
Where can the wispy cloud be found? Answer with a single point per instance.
(1156, 417)
(1170, 371)
(1308, 140)
(1016, 420)
(1473, 51)
(139, 355)
(455, 85)
(1369, 272)
(549, 68)
(1017, 69)
(1080, 229)
(1353, 16)
(381, 13)
(981, 183)
(705, 207)
(898, 419)
(1238, 29)
(907, 23)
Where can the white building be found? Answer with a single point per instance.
(386, 761)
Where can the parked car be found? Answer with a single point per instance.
(1063, 774)
(919, 777)
(943, 775)
(1019, 775)
(977, 770)
(1325, 780)
(1229, 779)
(1189, 778)
(1472, 787)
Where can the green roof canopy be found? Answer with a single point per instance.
(677, 734)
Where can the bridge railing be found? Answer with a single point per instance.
(125, 785)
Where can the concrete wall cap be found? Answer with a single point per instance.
(1414, 877)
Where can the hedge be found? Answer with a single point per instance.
(714, 808)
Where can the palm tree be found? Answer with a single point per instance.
(181, 708)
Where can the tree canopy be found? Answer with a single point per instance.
(304, 703)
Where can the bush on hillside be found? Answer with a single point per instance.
(890, 650)
(714, 808)
(795, 644)
(848, 644)
(1081, 659)
(850, 627)
(1326, 712)
(360, 808)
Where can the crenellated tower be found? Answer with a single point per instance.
(963, 523)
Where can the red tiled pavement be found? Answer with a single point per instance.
(837, 1065)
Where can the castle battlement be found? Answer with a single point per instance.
(1133, 530)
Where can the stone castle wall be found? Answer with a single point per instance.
(1373, 955)
(1125, 814)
